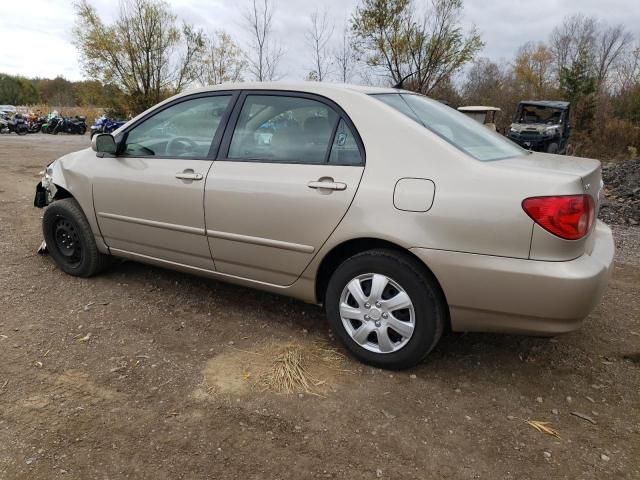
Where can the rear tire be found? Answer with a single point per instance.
(370, 327)
(70, 240)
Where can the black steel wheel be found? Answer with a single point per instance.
(70, 240)
(67, 241)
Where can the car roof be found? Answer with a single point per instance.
(309, 87)
(478, 108)
(546, 103)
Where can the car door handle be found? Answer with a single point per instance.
(189, 176)
(327, 185)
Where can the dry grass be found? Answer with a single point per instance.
(614, 139)
(289, 372)
(300, 368)
(288, 368)
(91, 113)
(544, 427)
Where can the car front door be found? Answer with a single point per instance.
(285, 176)
(149, 198)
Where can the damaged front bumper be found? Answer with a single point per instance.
(46, 189)
(45, 193)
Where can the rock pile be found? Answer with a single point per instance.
(621, 205)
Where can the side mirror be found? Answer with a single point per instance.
(104, 143)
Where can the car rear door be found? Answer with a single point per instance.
(286, 174)
(149, 198)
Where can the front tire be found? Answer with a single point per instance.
(70, 240)
(553, 148)
(385, 308)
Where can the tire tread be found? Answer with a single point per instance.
(95, 261)
(428, 284)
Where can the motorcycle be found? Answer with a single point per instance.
(15, 124)
(75, 125)
(50, 122)
(105, 124)
(34, 123)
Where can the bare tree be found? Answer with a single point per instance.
(223, 60)
(344, 56)
(318, 36)
(628, 71)
(483, 82)
(611, 45)
(267, 53)
(572, 40)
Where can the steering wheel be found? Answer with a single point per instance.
(184, 142)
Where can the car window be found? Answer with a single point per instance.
(461, 131)
(344, 150)
(283, 129)
(185, 129)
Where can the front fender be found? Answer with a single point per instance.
(72, 175)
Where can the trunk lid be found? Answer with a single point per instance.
(589, 170)
(558, 175)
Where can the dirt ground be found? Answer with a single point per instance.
(147, 373)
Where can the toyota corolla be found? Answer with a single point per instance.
(399, 215)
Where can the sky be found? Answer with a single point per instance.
(37, 34)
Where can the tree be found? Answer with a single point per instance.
(318, 36)
(610, 47)
(574, 38)
(399, 40)
(628, 71)
(58, 91)
(578, 84)
(532, 70)
(491, 84)
(92, 93)
(484, 83)
(144, 52)
(223, 60)
(266, 52)
(15, 90)
(584, 39)
(344, 56)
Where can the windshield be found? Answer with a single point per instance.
(456, 128)
(538, 114)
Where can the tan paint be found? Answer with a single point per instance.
(142, 207)
(264, 221)
(266, 228)
(414, 194)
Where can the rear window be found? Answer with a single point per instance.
(456, 128)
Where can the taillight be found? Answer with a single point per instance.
(567, 216)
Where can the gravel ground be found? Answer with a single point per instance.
(146, 373)
(621, 204)
(627, 244)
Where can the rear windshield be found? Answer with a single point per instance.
(456, 128)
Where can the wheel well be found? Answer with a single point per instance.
(61, 193)
(352, 247)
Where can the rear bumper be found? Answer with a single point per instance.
(498, 294)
